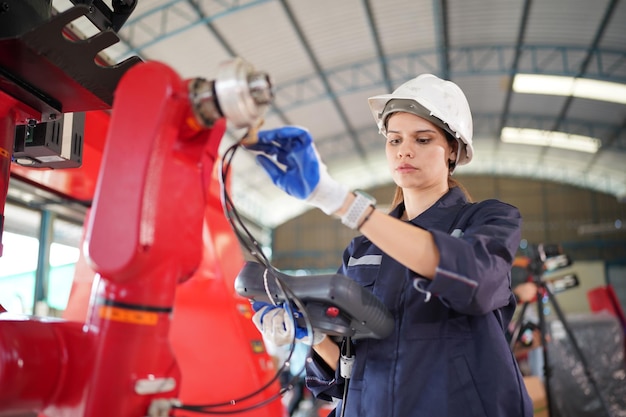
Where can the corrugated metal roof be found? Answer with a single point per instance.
(326, 57)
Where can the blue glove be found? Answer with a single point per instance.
(304, 175)
(279, 326)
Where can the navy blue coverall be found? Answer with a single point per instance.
(448, 355)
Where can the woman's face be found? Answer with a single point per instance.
(418, 152)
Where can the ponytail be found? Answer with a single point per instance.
(454, 183)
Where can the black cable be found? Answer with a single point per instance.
(346, 383)
(203, 407)
(251, 245)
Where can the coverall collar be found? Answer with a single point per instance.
(449, 204)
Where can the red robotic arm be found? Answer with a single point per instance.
(163, 320)
(152, 314)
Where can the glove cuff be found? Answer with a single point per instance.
(328, 195)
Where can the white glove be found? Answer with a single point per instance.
(329, 195)
(277, 327)
(291, 160)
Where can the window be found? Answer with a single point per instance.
(18, 264)
(25, 289)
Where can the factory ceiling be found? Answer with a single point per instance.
(326, 57)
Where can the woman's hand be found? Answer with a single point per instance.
(289, 157)
(279, 326)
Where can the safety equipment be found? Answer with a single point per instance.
(442, 99)
(279, 326)
(275, 325)
(304, 175)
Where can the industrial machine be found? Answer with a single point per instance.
(158, 319)
(153, 325)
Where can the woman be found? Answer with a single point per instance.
(439, 263)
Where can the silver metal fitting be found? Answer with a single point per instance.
(346, 364)
(239, 93)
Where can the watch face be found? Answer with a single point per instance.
(366, 195)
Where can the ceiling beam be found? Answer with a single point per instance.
(514, 66)
(491, 60)
(378, 45)
(202, 17)
(228, 47)
(440, 10)
(324, 78)
(608, 13)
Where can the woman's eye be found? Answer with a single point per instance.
(423, 140)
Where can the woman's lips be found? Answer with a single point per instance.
(404, 168)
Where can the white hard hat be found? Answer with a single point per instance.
(445, 105)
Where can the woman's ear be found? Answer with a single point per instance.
(454, 150)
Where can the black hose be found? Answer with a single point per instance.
(346, 379)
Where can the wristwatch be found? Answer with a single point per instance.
(361, 204)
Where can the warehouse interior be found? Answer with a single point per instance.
(325, 58)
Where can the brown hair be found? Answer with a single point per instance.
(398, 197)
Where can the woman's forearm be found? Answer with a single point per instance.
(329, 351)
(411, 246)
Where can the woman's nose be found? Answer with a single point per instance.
(405, 152)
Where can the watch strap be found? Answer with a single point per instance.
(359, 207)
